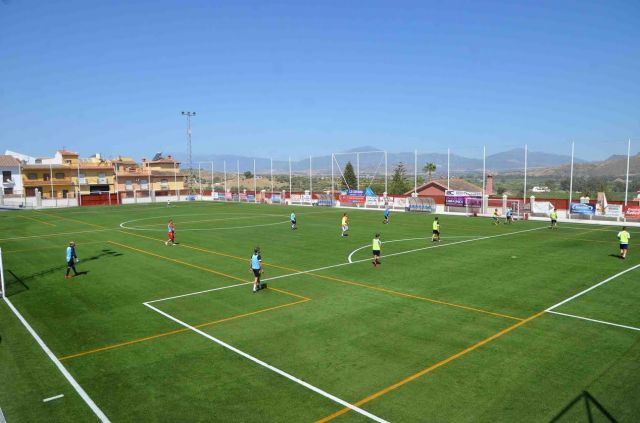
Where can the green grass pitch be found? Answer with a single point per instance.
(454, 331)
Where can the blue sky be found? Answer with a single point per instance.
(295, 78)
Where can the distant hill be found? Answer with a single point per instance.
(370, 161)
(614, 166)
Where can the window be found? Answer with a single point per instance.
(59, 175)
(144, 184)
(128, 185)
(6, 175)
(46, 176)
(67, 161)
(164, 184)
(32, 176)
(82, 179)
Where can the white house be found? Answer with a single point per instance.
(11, 175)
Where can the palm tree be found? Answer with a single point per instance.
(429, 168)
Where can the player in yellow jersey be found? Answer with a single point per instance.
(496, 217)
(377, 246)
(345, 225)
(624, 237)
(554, 219)
(436, 231)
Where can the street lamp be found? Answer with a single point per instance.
(189, 115)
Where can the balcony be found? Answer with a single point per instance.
(9, 183)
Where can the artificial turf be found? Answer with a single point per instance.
(449, 331)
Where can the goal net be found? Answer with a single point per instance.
(359, 170)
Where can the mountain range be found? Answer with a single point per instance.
(371, 161)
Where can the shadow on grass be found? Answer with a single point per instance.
(591, 405)
(16, 285)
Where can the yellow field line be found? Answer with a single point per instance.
(195, 266)
(361, 285)
(430, 368)
(70, 219)
(50, 248)
(253, 216)
(173, 332)
(36, 220)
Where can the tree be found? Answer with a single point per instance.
(429, 168)
(399, 183)
(248, 175)
(349, 180)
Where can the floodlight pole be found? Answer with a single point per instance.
(200, 180)
(311, 177)
(386, 172)
(224, 166)
(358, 170)
(448, 166)
(290, 183)
(238, 170)
(333, 157)
(524, 191)
(176, 169)
(573, 144)
(415, 172)
(255, 187)
(271, 171)
(189, 115)
(484, 178)
(626, 185)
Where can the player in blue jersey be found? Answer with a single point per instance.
(294, 224)
(387, 211)
(255, 266)
(72, 258)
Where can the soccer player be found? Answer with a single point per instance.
(436, 230)
(345, 225)
(293, 221)
(172, 234)
(386, 215)
(256, 268)
(71, 260)
(509, 216)
(624, 237)
(496, 217)
(377, 246)
(554, 219)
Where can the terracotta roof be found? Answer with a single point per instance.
(68, 153)
(457, 184)
(8, 161)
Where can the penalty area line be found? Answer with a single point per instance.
(270, 367)
(581, 293)
(594, 320)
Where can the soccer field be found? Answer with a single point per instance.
(494, 323)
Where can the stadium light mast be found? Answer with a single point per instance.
(189, 115)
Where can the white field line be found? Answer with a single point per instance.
(2, 419)
(53, 398)
(318, 269)
(198, 292)
(270, 367)
(96, 410)
(594, 320)
(609, 279)
(451, 243)
(405, 239)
